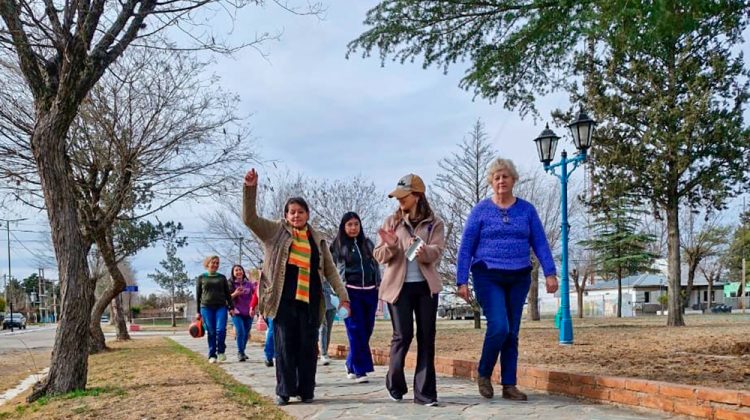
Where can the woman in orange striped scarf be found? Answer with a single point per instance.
(290, 290)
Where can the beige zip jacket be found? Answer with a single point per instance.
(432, 232)
(276, 236)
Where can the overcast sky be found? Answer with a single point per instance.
(320, 114)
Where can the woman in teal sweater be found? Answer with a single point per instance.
(214, 302)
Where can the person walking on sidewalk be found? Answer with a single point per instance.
(497, 237)
(296, 261)
(410, 245)
(241, 290)
(214, 300)
(353, 254)
(327, 324)
(268, 347)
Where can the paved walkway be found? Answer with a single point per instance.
(338, 397)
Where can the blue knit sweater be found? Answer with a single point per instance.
(488, 238)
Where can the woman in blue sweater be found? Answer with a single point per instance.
(495, 248)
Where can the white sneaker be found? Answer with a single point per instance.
(211, 360)
(351, 375)
(222, 357)
(361, 379)
(326, 360)
(432, 404)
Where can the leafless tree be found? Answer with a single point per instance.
(543, 191)
(699, 242)
(328, 200)
(62, 50)
(460, 185)
(712, 268)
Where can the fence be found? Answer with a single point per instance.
(602, 306)
(163, 321)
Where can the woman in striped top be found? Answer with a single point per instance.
(290, 289)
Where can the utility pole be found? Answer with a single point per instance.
(239, 261)
(741, 291)
(42, 295)
(10, 277)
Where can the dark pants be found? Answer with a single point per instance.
(501, 295)
(215, 325)
(325, 331)
(295, 333)
(359, 326)
(415, 299)
(242, 326)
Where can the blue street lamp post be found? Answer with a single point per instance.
(546, 144)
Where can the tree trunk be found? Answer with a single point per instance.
(174, 321)
(533, 298)
(477, 319)
(674, 304)
(619, 292)
(106, 247)
(118, 317)
(579, 292)
(710, 294)
(69, 363)
(692, 267)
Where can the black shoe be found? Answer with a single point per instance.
(269, 362)
(282, 400)
(307, 400)
(241, 357)
(394, 396)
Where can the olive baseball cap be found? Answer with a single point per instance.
(406, 185)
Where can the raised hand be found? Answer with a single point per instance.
(251, 178)
(388, 236)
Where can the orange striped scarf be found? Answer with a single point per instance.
(299, 255)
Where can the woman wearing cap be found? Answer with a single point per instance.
(214, 299)
(411, 285)
(290, 290)
(495, 248)
(353, 253)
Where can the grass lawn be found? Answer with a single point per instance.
(152, 378)
(712, 350)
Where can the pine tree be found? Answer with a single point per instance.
(621, 250)
(174, 279)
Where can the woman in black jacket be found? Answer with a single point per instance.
(352, 252)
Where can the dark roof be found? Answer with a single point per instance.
(647, 280)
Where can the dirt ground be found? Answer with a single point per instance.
(150, 379)
(713, 350)
(16, 366)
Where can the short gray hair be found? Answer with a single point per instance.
(501, 164)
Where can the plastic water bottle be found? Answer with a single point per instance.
(342, 312)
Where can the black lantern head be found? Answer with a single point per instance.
(582, 129)
(546, 144)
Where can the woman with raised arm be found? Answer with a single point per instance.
(495, 246)
(296, 261)
(410, 246)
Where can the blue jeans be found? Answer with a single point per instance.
(268, 348)
(325, 331)
(501, 294)
(215, 324)
(242, 326)
(359, 326)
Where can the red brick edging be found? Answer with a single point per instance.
(698, 401)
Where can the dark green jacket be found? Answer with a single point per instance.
(212, 290)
